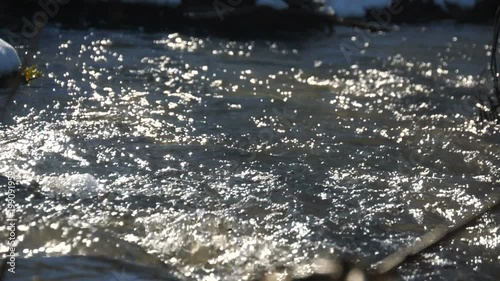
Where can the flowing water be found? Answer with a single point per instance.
(222, 158)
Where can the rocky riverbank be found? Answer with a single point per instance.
(235, 18)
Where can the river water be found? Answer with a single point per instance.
(222, 158)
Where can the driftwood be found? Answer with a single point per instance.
(434, 236)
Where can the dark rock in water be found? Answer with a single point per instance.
(483, 10)
(7, 181)
(188, 5)
(307, 5)
(408, 11)
(263, 21)
(10, 80)
(21, 191)
(419, 11)
(81, 14)
(237, 20)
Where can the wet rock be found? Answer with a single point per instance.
(408, 11)
(197, 5)
(482, 10)
(22, 191)
(237, 19)
(10, 80)
(419, 11)
(308, 5)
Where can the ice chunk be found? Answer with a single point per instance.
(9, 60)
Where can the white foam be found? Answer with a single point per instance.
(276, 4)
(82, 185)
(9, 60)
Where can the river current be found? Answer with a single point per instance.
(221, 158)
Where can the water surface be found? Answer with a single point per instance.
(221, 158)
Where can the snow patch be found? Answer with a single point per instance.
(354, 8)
(9, 60)
(358, 8)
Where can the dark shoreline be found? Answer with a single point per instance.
(23, 16)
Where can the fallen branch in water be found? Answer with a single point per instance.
(489, 110)
(444, 231)
(434, 236)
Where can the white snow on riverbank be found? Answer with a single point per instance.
(358, 8)
(9, 60)
(342, 8)
(355, 8)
